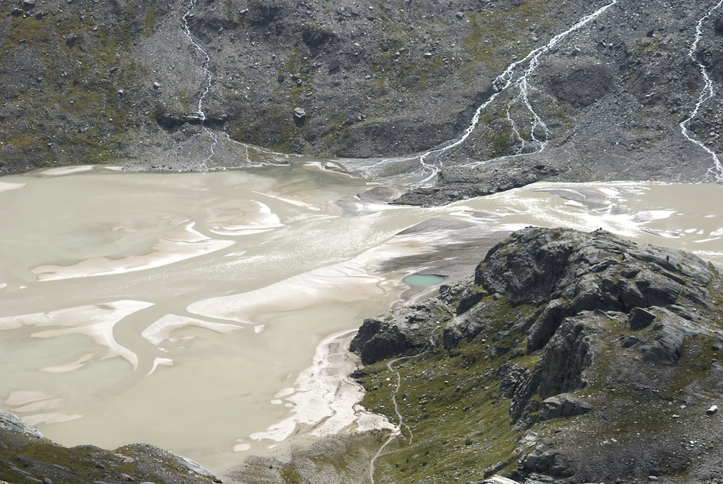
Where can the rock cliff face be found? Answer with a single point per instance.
(622, 338)
(166, 84)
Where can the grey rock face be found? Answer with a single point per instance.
(8, 421)
(86, 463)
(563, 406)
(666, 347)
(545, 460)
(407, 329)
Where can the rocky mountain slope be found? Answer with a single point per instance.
(569, 357)
(26, 456)
(171, 84)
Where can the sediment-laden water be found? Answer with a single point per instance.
(209, 313)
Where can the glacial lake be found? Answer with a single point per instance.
(208, 313)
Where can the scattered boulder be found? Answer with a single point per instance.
(262, 14)
(563, 405)
(194, 466)
(630, 341)
(546, 460)
(170, 120)
(719, 25)
(640, 318)
(712, 410)
(71, 39)
(29, 4)
(334, 66)
(314, 37)
(299, 113)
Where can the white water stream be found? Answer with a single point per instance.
(194, 311)
(515, 75)
(209, 82)
(716, 171)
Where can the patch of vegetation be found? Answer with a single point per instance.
(290, 475)
(185, 99)
(77, 92)
(497, 142)
(333, 130)
(457, 427)
(493, 34)
(248, 134)
(149, 22)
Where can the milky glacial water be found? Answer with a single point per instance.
(423, 280)
(208, 313)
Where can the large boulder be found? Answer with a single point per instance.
(399, 332)
(563, 406)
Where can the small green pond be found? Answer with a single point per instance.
(423, 280)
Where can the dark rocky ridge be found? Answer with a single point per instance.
(562, 324)
(87, 82)
(26, 456)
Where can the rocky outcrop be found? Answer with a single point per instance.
(571, 280)
(577, 326)
(410, 329)
(459, 183)
(12, 423)
(563, 406)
